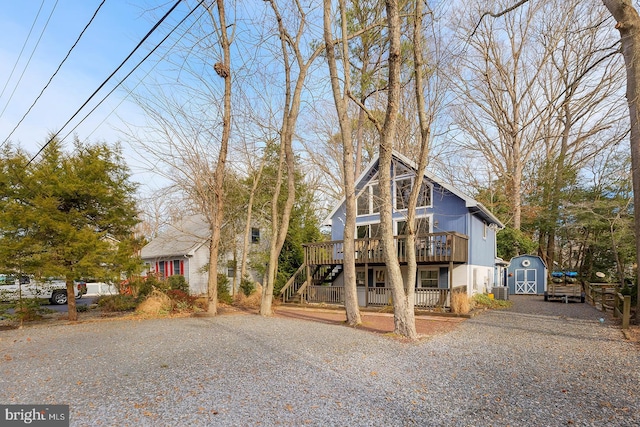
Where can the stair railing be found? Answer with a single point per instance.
(294, 284)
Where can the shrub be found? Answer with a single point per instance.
(29, 309)
(178, 283)
(483, 300)
(252, 301)
(182, 301)
(247, 286)
(157, 302)
(460, 302)
(223, 289)
(115, 303)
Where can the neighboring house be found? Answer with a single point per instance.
(183, 249)
(455, 243)
(527, 274)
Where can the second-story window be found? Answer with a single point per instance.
(368, 202)
(255, 235)
(403, 188)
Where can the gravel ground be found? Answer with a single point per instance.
(537, 364)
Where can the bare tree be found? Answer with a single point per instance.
(498, 95)
(341, 97)
(179, 144)
(292, 54)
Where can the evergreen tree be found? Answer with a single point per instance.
(68, 215)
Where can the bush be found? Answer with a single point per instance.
(224, 295)
(252, 301)
(247, 286)
(178, 283)
(29, 309)
(460, 302)
(483, 300)
(115, 303)
(182, 301)
(156, 303)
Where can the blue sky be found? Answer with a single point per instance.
(116, 30)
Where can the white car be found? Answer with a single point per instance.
(12, 288)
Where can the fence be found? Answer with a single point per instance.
(607, 297)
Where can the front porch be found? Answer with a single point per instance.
(315, 280)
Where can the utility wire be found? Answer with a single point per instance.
(134, 68)
(106, 80)
(22, 50)
(130, 91)
(30, 57)
(54, 73)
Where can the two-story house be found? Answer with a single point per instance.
(455, 243)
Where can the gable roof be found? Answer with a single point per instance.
(180, 239)
(473, 205)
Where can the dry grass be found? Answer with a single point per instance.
(460, 303)
(251, 301)
(156, 303)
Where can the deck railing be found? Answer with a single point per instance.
(433, 247)
(424, 298)
(325, 294)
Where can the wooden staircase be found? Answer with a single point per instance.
(294, 290)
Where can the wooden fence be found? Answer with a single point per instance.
(605, 296)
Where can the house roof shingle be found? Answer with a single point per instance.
(180, 239)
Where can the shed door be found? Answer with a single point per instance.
(526, 281)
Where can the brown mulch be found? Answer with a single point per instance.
(376, 322)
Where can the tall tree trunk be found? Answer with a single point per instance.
(341, 101)
(404, 319)
(628, 23)
(291, 110)
(71, 300)
(216, 215)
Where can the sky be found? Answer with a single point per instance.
(117, 28)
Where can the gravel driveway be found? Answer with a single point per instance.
(523, 367)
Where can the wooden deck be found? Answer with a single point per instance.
(431, 248)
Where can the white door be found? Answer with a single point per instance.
(526, 281)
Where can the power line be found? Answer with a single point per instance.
(30, 57)
(106, 80)
(54, 73)
(129, 92)
(22, 50)
(134, 68)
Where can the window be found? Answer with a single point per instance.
(403, 191)
(422, 227)
(231, 268)
(161, 269)
(368, 231)
(379, 278)
(360, 278)
(368, 202)
(484, 230)
(176, 267)
(428, 278)
(255, 235)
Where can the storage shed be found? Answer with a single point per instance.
(527, 274)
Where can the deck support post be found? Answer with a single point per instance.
(450, 283)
